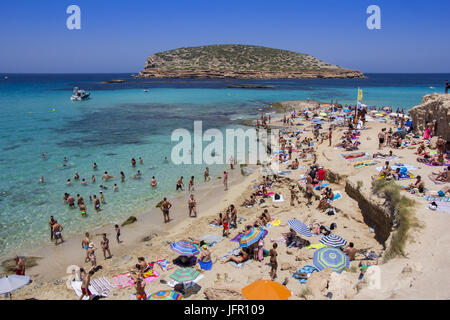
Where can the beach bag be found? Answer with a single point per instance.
(331, 212)
(277, 196)
(432, 206)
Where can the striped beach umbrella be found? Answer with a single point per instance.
(184, 248)
(333, 240)
(332, 258)
(165, 295)
(251, 236)
(299, 227)
(185, 275)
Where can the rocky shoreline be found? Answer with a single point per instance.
(210, 74)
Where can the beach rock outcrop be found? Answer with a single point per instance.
(246, 171)
(434, 107)
(130, 220)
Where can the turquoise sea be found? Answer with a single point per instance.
(122, 121)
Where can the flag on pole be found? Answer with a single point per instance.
(360, 94)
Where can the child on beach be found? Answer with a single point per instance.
(116, 227)
(226, 230)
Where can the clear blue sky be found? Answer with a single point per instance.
(118, 35)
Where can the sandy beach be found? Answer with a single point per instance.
(416, 275)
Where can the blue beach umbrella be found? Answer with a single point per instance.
(333, 240)
(184, 248)
(299, 227)
(331, 258)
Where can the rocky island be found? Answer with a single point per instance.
(240, 62)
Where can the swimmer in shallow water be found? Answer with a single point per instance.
(83, 182)
(41, 180)
(93, 179)
(116, 188)
(94, 166)
(68, 183)
(154, 183)
(106, 176)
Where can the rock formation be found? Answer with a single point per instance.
(240, 62)
(434, 107)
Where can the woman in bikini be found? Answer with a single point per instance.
(244, 255)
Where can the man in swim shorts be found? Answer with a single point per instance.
(165, 206)
(85, 244)
(57, 229)
(85, 284)
(180, 184)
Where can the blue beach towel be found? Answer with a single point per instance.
(321, 186)
(306, 269)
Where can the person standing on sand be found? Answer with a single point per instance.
(165, 207)
(85, 244)
(330, 135)
(192, 206)
(350, 251)
(293, 195)
(85, 284)
(116, 227)
(381, 138)
(206, 174)
(225, 180)
(91, 255)
(191, 184)
(57, 229)
(51, 223)
(140, 289)
(20, 266)
(105, 246)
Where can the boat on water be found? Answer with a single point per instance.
(6, 77)
(79, 94)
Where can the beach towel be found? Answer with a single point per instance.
(76, 285)
(211, 238)
(365, 164)
(323, 185)
(150, 272)
(237, 237)
(308, 269)
(433, 178)
(284, 172)
(102, 285)
(273, 223)
(279, 200)
(165, 265)
(315, 246)
(443, 207)
(205, 265)
(435, 165)
(394, 167)
(337, 195)
(123, 280)
(442, 199)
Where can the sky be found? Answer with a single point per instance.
(118, 35)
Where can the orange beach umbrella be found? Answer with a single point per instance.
(266, 290)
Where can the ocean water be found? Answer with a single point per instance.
(122, 121)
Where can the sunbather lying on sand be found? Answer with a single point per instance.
(217, 221)
(442, 176)
(244, 255)
(249, 202)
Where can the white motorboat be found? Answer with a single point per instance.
(79, 94)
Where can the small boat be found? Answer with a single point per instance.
(6, 77)
(79, 94)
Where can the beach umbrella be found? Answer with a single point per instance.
(266, 290)
(165, 295)
(184, 248)
(299, 227)
(333, 240)
(185, 275)
(11, 283)
(331, 258)
(251, 236)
